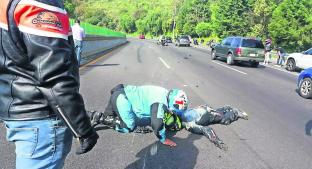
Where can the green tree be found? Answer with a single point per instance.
(203, 29)
(291, 24)
(229, 18)
(127, 24)
(261, 17)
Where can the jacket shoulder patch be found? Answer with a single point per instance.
(40, 21)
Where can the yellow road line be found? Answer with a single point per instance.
(92, 62)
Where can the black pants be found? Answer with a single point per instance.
(111, 108)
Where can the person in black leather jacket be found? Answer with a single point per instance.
(39, 84)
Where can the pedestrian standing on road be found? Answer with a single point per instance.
(132, 108)
(39, 82)
(281, 56)
(267, 51)
(78, 34)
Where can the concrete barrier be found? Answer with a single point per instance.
(95, 45)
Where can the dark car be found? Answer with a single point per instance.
(169, 39)
(183, 40)
(239, 49)
(305, 83)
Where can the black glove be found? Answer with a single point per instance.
(87, 142)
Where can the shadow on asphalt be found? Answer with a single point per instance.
(157, 155)
(95, 65)
(308, 128)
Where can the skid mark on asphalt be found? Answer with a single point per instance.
(230, 68)
(163, 61)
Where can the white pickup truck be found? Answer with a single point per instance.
(299, 60)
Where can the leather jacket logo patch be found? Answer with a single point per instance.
(47, 18)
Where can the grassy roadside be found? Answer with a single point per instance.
(97, 30)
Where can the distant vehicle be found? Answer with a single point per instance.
(169, 39)
(141, 36)
(183, 40)
(162, 41)
(299, 60)
(305, 83)
(239, 49)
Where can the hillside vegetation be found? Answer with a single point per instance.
(287, 22)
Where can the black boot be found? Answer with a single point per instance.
(102, 118)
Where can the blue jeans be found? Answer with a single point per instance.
(39, 143)
(78, 47)
(281, 60)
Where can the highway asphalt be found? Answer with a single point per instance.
(276, 136)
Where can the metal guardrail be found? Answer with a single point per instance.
(93, 45)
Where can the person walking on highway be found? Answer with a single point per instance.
(132, 108)
(40, 104)
(267, 50)
(78, 34)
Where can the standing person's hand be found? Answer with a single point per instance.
(87, 142)
(169, 142)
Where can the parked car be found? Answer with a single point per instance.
(183, 40)
(305, 83)
(169, 39)
(141, 36)
(301, 60)
(239, 49)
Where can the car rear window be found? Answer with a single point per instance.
(252, 43)
(184, 37)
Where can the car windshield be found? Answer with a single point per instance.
(252, 43)
(184, 37)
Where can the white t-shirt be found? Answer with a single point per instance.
(78, 32)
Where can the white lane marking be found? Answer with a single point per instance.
(230, 68)
(162, 60)
(279, 69)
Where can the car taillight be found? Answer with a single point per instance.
(238, 51)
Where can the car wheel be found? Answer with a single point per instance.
(291, 65)
(255, 64)
(230, 59)
(305, 88)
(213, 55)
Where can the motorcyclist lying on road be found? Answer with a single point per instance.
(195, 120)
(132, 108)
(198, 119)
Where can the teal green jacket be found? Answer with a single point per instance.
(146, 102)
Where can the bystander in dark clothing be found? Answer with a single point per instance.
(39, 82)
